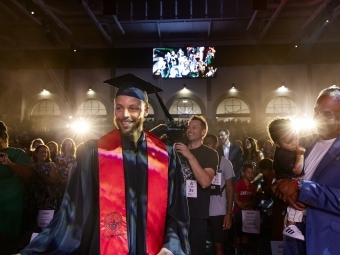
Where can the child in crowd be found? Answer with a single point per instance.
(288, 163)
(244, 198)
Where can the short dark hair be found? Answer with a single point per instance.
(201, 119)
(278, 127)
(266, 163)
(246, 166)
(212, 136)
(224, 130)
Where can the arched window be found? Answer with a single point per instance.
(45, 108)
(91, 107)
(233, 108)
(281, 106)
(183, 108)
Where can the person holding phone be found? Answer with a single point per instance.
(15, 165)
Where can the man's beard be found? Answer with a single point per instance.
(328, 129)
(138, 125)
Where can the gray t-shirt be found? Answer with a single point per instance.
(218, 204)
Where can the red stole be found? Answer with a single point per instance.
(113, 228)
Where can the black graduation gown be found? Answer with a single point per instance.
(75, 227)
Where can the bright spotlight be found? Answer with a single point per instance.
(80, 126)
(304, 126)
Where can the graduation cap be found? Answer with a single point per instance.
(133, 86)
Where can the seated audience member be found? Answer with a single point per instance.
(54, 150)
(15, 166)
(221, 199)
(244, 199)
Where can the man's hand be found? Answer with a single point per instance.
(227, 221)
(284, 189)
(183, 149)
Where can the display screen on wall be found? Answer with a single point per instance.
(184, 62)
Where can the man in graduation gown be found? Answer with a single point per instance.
(127, 194)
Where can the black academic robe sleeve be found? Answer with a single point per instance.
(177, 224)
(74, 229)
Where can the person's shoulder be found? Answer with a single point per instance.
(225, 162)
(208, 148)
(88, 145)
(209, 151)
(239, 182)
(15, 150)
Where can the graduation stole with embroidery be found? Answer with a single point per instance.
(113, 226)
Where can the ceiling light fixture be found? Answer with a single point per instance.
(282, 88)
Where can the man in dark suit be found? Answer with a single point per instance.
(319, 188)
(231, 151)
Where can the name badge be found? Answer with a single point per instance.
(44, 217)
(191, 188)
(33, 236)
(217, 179)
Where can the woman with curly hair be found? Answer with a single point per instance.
(15, 166)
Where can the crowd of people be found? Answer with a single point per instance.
(175, 63)
(32, 180)
(164, 199)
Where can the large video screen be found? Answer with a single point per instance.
(184, 62)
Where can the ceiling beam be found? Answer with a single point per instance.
(118, 24)
(252, 19)
(272, 18)
(3, 6)
(296, 5)
(315, 14)
(319, 32)
(96, 22)
(55, 19)
(26, 12)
